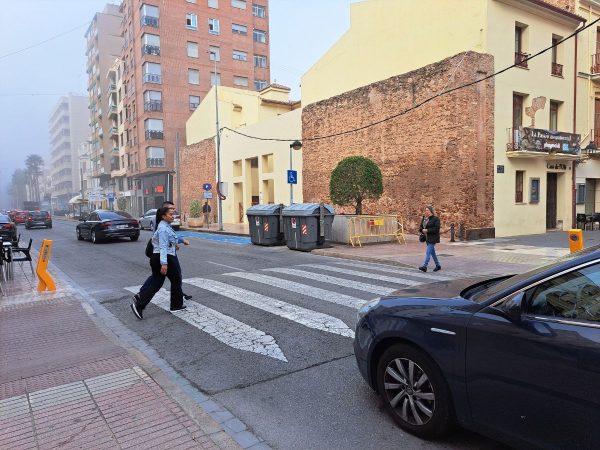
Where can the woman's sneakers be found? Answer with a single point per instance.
(423, 269)
(437, 268)
(187, 296)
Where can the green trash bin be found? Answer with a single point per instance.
(307, 225)
(264, 224)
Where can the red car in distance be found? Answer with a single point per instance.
(20, 217)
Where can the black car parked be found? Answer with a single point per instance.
(8, 230)
(102, 224)
(38, 219)
(516, 358)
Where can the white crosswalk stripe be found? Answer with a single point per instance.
(304, 289)
(358, 285)
(225, 329)
(303, 316)
(373, 276)
(427, 278)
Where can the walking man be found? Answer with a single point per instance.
(206, 211)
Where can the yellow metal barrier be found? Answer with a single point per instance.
(365, 227)
(46, 281)
(575, 240)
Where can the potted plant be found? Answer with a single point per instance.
(194, 220)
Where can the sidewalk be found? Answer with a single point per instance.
(67, 381)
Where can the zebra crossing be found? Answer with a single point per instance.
(304, 281)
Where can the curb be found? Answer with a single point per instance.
(202, 230)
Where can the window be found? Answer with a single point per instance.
(240, 55)
(194, 102)
(213, 4)
(151, 73)
(520, 176)
(191, 21)
(260, 36)
(556, 68)
(241, 4)
(258, 11)
(150, 44)
(260, 61)
(580, 194)
(153, 128)
(573, 296)
(215, 78)
(149, 15)
(554, 115)
(213, 26)
(259, 85)
(193, 76)
(240, 81)
(152, 101)
(517, 120)
(192, 49)
(534, 190)
(214, 53)
(155, 157)
(239, 29)
(520, 55)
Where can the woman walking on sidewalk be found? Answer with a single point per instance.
(430, 227)
(164, 263)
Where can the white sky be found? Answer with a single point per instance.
(32, 80)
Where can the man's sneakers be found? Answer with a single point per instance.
(423, 269)
(134, 307)
(437, 268)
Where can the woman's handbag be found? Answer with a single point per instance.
(422, 237)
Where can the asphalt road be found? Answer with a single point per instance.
(262, 343)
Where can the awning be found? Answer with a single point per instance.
(77, 200)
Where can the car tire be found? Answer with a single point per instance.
(419, 403)
(134, 238)
(79, 236)
(95, 239)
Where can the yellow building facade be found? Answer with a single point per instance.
(532, 102)
(253, 171)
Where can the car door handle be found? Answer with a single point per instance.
(442, 331)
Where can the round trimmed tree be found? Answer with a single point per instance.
(354, 180)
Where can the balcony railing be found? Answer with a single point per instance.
(149, 21)
(155, 162)
(113, 131)
(115, 150)
(152, 78)
(154, 134)
(153, 105)
(592, 149)
(557, 69)
(112, 110)
(193, 106)
(150, 50)
(521, 59)
(595, 68)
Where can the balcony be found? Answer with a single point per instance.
(152, 78)
(155, 162)
(149, 21)
(557, 69)
(595, 67)
(112, 88)
(549, 145)
(521, 59)
(193, 106)
(114, 163)
(592, 150)
(113, 131)
(115, 150)
(153, 105)
(150, 50)
(154, 134)
(112, 110)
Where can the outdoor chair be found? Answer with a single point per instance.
(595, 219)
(26, 251)
(581, 220)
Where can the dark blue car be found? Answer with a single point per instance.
(516, 358)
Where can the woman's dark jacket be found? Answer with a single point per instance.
(433, 229)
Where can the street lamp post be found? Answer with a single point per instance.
(218, 144)
(296, 145)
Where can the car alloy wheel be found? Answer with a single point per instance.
(94, 238)
(414, 392)
(79, 237)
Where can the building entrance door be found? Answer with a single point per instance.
(551, 187)
(590, 196)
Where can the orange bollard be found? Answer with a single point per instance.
(46, 281)
(575, 240)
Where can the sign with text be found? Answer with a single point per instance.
(537, 140)
(207, 195)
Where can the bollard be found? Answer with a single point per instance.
(452, 232)
(575, 240)
(46, 281)
(461, 232)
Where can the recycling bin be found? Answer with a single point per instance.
(307, 225)
(264, 223)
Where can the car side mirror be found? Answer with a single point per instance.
(511, 308)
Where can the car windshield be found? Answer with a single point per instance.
(38, 213)
(113, 215)
(4, 219)
(505, 283)
(151, 212)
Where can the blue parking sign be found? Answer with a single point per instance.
(292, 177)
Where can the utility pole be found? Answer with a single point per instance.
(177, 172)
(218, 143)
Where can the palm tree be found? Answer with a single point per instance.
(17, 187)
(34, 165)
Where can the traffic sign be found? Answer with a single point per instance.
(207, 195)
(207, 186)
(292, 176)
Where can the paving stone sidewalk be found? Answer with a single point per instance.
(65, 384)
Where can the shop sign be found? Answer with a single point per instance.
(556, 166)
(537, 140)
(159, 189)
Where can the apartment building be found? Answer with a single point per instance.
(174, 52)
(68, 128)
(505, 161)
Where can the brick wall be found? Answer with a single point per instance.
(439, 154)
(197, 164)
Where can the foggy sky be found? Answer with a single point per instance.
(32, 80)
